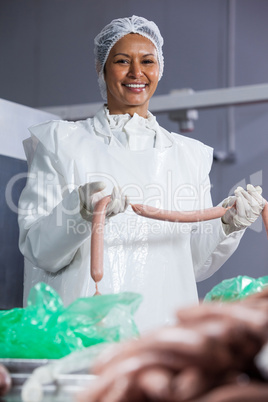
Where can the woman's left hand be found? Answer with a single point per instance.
(248, 205)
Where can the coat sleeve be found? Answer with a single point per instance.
(210, 246)
(51, 226)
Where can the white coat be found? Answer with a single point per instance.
(160, 260)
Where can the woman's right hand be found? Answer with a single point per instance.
(91, 193)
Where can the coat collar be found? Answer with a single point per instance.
(102, 128)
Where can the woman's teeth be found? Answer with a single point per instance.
(135, 85)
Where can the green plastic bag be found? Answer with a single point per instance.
(236, 288)
(45, 329)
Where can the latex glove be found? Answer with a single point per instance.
(248, 205)
(91, 193)
(119, 203)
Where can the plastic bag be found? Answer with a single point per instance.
(45, 329)
(236, 288)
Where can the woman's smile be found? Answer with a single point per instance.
(131, 74)
(135, 87)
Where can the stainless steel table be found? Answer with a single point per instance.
(63, 390)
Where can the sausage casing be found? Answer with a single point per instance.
(98, 222)
(179, 216)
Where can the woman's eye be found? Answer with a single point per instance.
(123, 61)
(148, 61)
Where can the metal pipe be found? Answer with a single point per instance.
(230, 154)
(208, 99)
(231, 74)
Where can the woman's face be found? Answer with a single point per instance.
(131, 75)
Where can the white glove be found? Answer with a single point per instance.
(248, 206)
(119, 203)
(91, 193)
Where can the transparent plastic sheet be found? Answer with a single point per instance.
(45, 329)
(236, 288)
(33, 388)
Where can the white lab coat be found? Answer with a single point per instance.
(160, 260)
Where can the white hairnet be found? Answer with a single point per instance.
(114, 31)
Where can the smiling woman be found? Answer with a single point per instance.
(131, 75)
(124, 150)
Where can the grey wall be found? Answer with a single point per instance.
(48, 46)
(11, 260)
(47, 60)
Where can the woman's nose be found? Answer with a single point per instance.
(135, 70)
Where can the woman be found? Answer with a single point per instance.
(124, 150)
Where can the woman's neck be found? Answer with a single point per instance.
(140, 110)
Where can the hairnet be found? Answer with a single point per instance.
(114, 31)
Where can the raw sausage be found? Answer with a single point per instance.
(179, 216)
(198, 360)
(265, 217)
(5, 381)
(98, 221)
(154, 382)
(253, 391)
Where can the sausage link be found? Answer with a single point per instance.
(154, 382)
(254, 391)
(179, 216)
(98, 221)
(265, 217)
(5, 380)
(191, 382)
